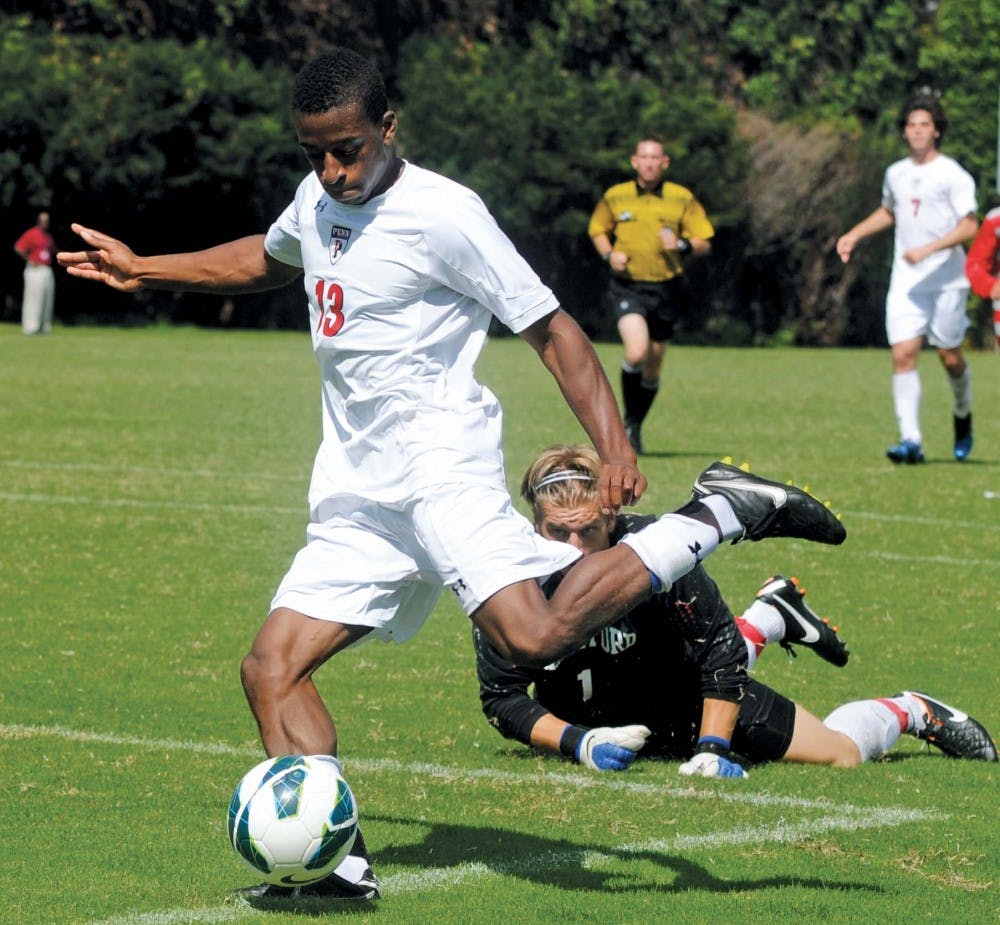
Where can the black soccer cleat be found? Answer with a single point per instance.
(956, 733)
(770, 509)
(963, 437)
(330, 887)
(906, 451)
(802, 626)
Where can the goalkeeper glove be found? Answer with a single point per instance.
(606, 748)
(712, 760)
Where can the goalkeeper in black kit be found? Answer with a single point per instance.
(670, 679)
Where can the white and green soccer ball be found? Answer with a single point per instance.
(293, 819)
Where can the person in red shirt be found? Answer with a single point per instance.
(982, 264)
(36, 248)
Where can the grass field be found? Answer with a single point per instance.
(153, 492)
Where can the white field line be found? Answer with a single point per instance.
(257, 510)
(44, 498)
(238, 476)
(991, 525)
(353, 766)
(226, 475)
(936, 560)
(254, 509)
(585, 858)
(843, 817)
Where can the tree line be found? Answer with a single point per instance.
(165, 123)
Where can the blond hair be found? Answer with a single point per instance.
(564, 475)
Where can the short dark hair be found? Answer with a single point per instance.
(927, 103)
(338, 78)
(656, 139)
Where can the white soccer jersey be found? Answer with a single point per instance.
(928, 200)
(401, 291)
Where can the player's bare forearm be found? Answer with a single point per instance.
(547, 732)
(700, 247)
(718, 718)
(569, 356)
(962, 232)
(237, 266)
(880, 220)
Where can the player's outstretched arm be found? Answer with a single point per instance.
(569, 356)
(238, 266)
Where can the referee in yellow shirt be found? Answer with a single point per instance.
(644, 229)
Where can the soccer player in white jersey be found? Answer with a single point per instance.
(931, 200)
(403, 271)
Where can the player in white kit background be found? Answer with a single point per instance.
(403, 271)
(931, 200)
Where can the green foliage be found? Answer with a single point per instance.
(827, 60)
(157, 143)
(144, 121)
(171, 114)
(962, 56)
(540, 144)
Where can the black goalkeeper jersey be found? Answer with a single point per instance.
(654, 667)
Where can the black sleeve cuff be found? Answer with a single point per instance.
(571, 738)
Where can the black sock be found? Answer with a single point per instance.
(632, 396)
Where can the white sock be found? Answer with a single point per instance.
(724, 514)
(961, 389)
(766, 618)
(906, 399)
(673, 545)
(873, 725)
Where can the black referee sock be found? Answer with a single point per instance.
(632, 394)
(644, 399)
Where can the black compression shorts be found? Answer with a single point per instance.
(765, 725)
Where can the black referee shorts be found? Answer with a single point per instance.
(661, 304)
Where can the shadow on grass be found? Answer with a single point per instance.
(566, 865)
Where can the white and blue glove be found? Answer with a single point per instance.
(606, 748)
(712, 760)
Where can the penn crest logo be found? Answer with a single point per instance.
(339, 236)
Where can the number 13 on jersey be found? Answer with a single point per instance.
(330, 299)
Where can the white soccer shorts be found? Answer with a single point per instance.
(935, 313)
(385, 567)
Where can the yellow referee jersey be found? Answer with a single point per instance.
(633, 217)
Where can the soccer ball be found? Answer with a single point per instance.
(293, 818)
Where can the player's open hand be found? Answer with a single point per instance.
(620, 483)
(107, 261)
